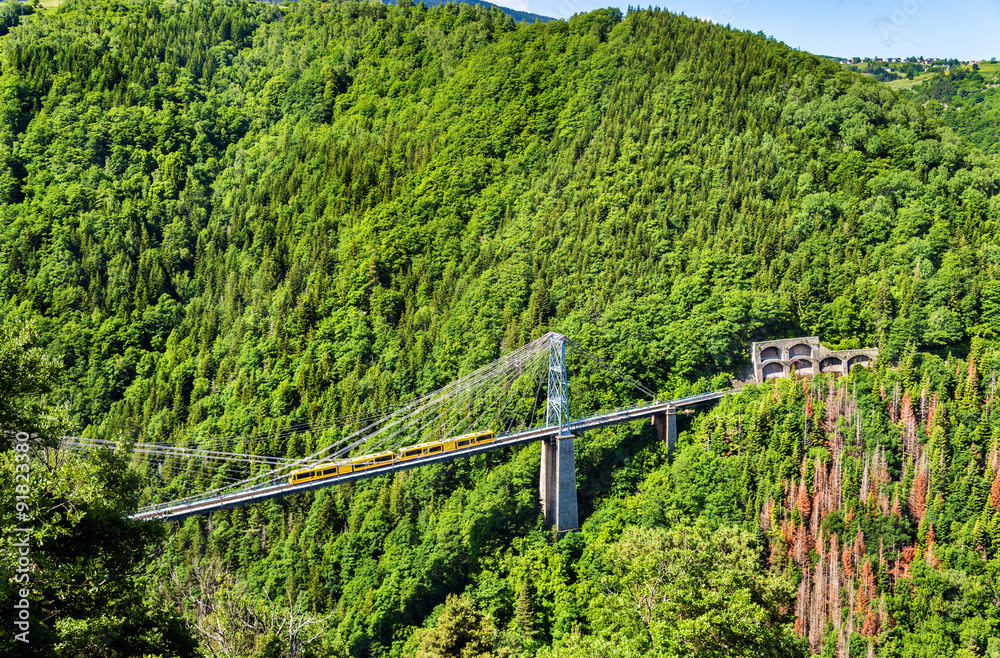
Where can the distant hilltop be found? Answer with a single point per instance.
(896, 68)
(519, 16)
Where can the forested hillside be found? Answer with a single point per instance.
(231, 220)
(966, 98)
(519, 16)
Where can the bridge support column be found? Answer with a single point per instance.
(558, 483)
(665, 425)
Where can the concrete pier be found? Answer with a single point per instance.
(665, 426)
(557, 483)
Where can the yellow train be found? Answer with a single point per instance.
(365, 462)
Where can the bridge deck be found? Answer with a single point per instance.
(276, 489)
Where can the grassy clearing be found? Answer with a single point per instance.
(987, 69)
(903, 83)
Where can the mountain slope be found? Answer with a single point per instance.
(233, 219)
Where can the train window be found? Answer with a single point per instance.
(462, 444)
(329, 471)
(411, 453)
(383, 458)
(434, 449)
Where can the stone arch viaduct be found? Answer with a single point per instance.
(806, 356)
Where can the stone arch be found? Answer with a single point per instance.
(859, 360)
(769, 353)
(831, 364)
(772, 370)
(801, 349)
(804, 367)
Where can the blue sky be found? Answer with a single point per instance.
(963, 29)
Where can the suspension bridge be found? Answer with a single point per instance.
(522, 397)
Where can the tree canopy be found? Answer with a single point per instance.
(238, 224)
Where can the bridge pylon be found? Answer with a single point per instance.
(557, 395)
(557, 479)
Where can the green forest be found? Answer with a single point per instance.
(966, 98)
(222, 222)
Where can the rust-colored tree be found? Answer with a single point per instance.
(918, 495)
(804, 500)
(848, 562)
(902, 569)
(869, 628)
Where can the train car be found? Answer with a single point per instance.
(364, 462)
(453, 443)
(360, 463)
(420, 450)
(477, 439)
(319, 472)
